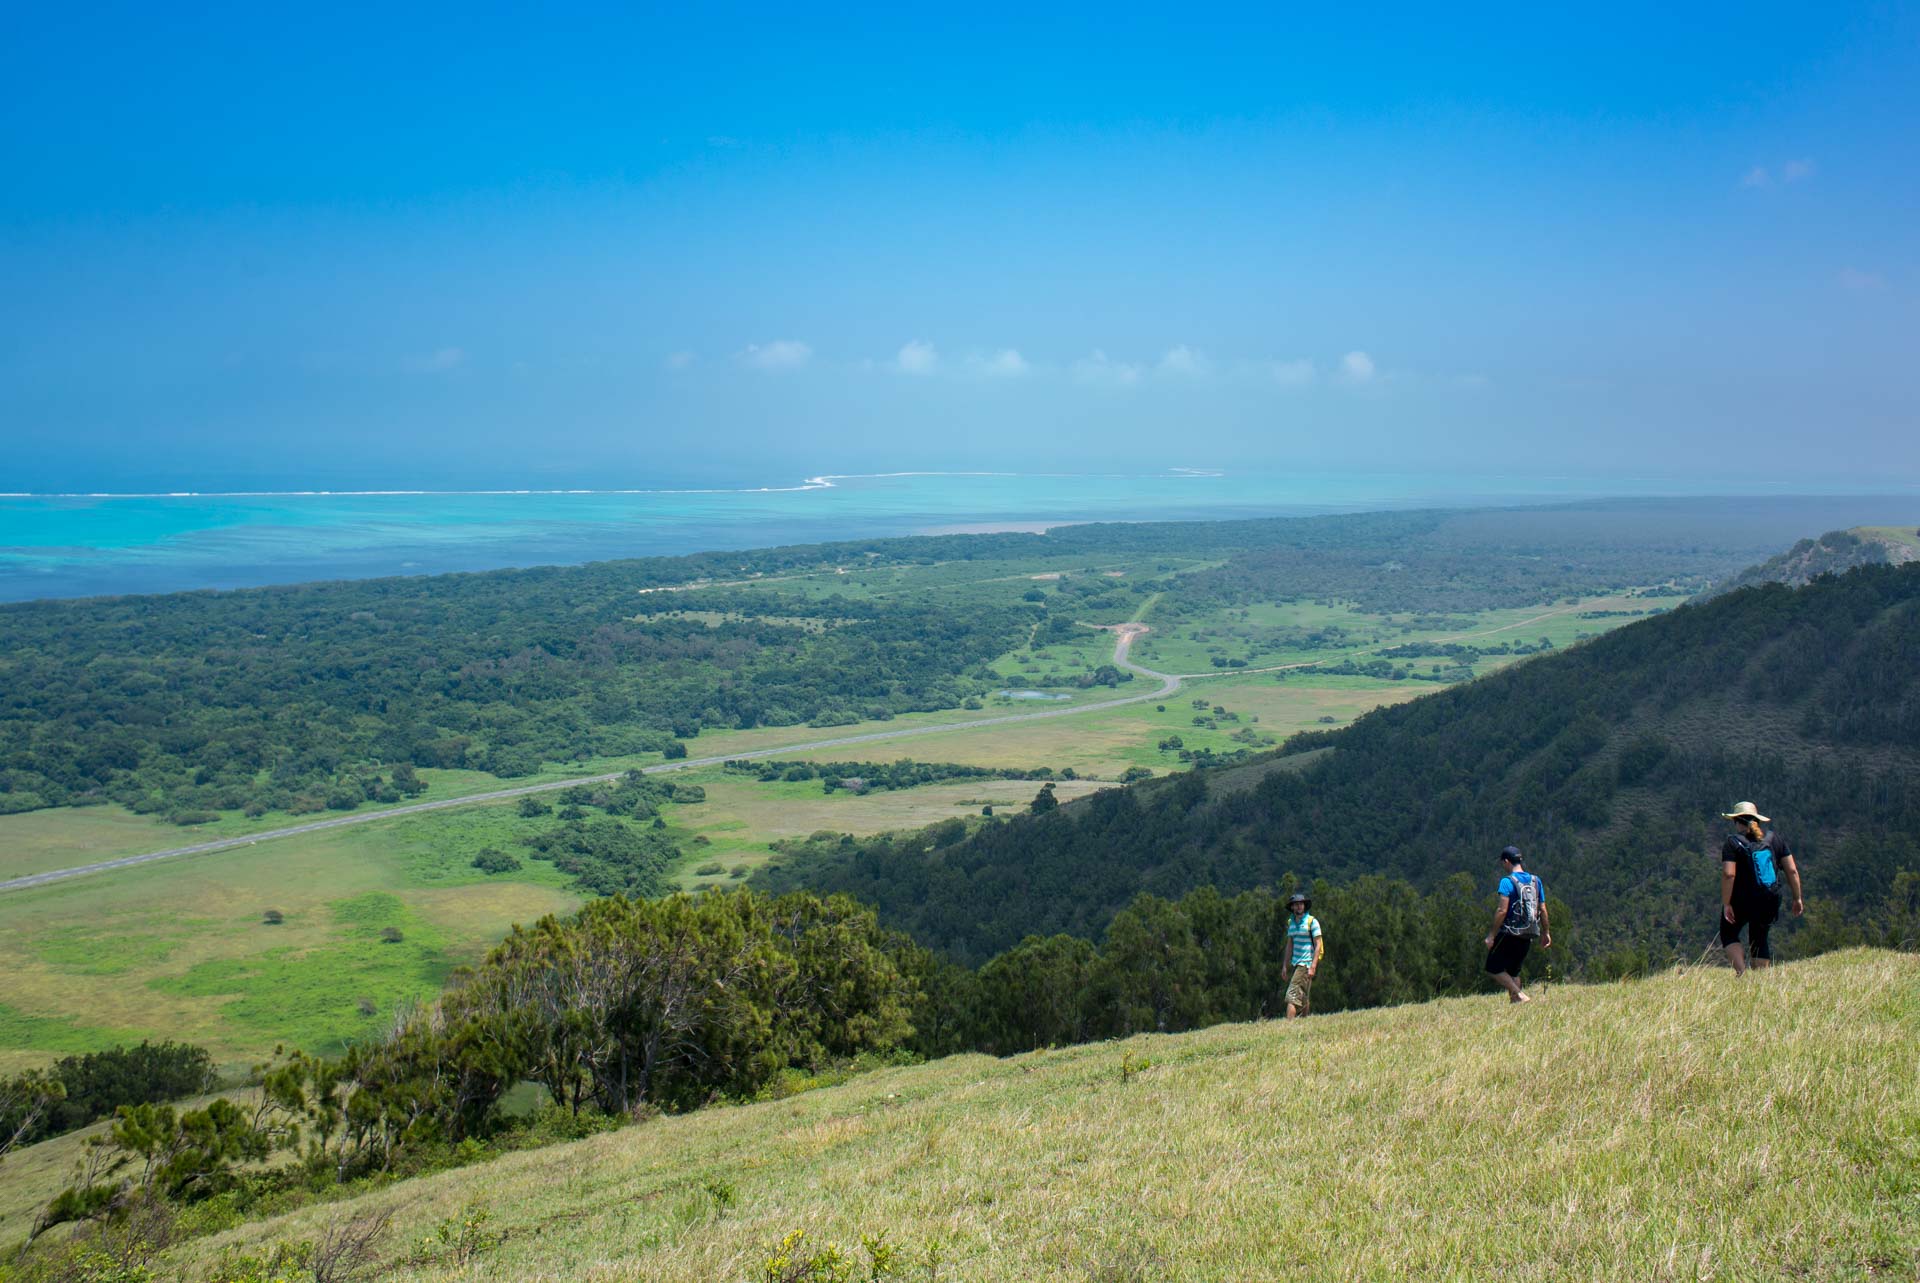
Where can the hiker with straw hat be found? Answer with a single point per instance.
(1752, 861)
(1305, 947)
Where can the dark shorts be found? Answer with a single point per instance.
(1508, 952)
(1758, 917)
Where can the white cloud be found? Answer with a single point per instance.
(1357, 367)
(1004, 364)
(680, 360)
(1183, 360)
(439, 361)
(781, 354)
(1792, 171)
(1852, 278)
(917, 357)
(1292, 374)
(1098, 367)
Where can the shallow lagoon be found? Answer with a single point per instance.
(77, 544)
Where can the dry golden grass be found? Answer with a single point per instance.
(1691, 1126)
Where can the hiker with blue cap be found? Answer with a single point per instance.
(1753, 861)
(1517, 923)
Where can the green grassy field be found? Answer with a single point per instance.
(34, 841)
(741, 816)
(1689, 1126)
(1269, 634)
(181, 949)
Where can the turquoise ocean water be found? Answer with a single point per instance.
(78, 545)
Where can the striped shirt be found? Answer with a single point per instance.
(1301, 933)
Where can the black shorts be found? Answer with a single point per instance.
(1758, 917)
(1508, 952)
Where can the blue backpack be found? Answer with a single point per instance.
(1760, 858)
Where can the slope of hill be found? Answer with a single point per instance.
(1687, 1126)
(1833, 553)
(1608, 763)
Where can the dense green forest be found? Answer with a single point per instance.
(1607, 762)
(325, 696)
(280, 698)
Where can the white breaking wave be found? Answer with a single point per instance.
(825, 481)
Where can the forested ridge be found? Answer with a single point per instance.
(1607, 762)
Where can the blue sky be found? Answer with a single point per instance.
(470, 246)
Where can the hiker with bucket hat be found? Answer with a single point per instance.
(1305, 947)
(1517, 923)
(1752, 862)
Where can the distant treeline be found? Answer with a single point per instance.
(1607, 762)
(867, 776)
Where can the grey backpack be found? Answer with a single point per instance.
(1523, 909)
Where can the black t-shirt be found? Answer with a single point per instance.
(1756, 865)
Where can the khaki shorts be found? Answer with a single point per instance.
(1299, 988)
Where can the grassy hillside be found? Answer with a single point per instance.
(1687, 1126)
(1607, 762)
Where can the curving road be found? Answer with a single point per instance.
(1169, 683)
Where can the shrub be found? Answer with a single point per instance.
(491, 860)
(391, 935)
(273, 917)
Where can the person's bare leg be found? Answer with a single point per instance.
(1737, 955)
(1293, 1012)
(1512, 985)
(1763, 963)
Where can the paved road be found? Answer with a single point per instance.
(1169, 683)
